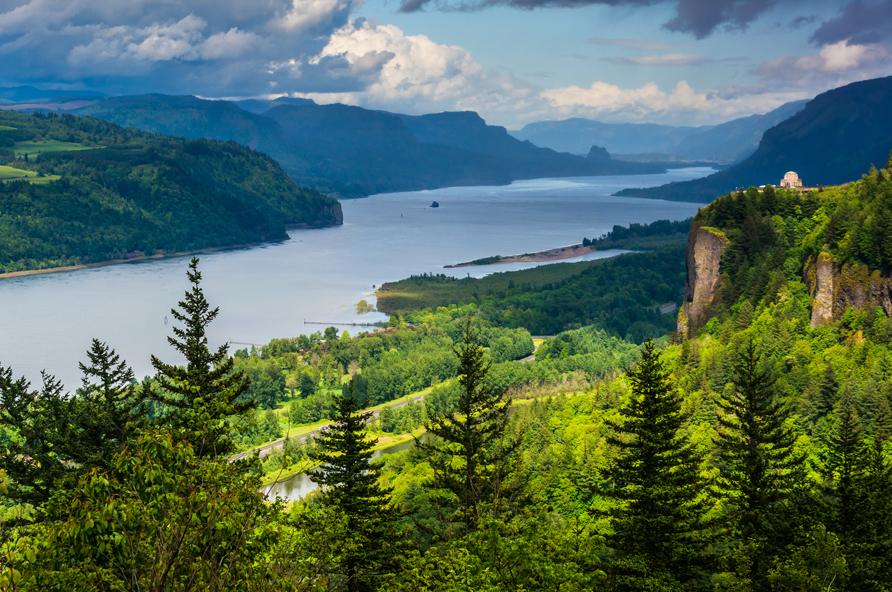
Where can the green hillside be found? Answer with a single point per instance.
(97, 191)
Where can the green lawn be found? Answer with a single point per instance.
(7, 172)
(6, 127)
(32, 148)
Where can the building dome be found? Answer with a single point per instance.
(790, 180)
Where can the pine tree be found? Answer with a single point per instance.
(758, 468)
(882, 423)
(207, 392)
(350, 482)
(847, 466)
(468, 453)
(659, 526)
(828, 393)
(61, 437)
(107, 410)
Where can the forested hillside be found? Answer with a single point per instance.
(355, 152)
(97, 191)
(749, 453)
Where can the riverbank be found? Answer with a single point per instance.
(161, 255)
(556, 254)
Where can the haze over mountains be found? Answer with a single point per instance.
(833, 140)
(724, 143)
(352, 152)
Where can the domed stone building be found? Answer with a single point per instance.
(790, 181)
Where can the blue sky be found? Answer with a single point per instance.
(684, 62)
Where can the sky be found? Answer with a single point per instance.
(677, 62)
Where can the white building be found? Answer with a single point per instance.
(790, 181)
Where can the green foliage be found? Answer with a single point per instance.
(139, 192)
(619, 295)
(267, 381)
(468, 452)
(350, 482)
(659, 523)
(203, 395)
(59, 437)
(657, 234)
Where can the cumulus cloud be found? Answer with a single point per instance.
(858, 22)
(422, 77)
(193, 46)
(649, 103)
(696, 17)
(834, 65)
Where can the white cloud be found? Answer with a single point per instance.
(306, 14)
(423, 76)
(834, 65)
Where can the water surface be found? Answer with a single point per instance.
(47, 321)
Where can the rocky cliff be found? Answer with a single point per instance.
(834, 288)
(705, 248)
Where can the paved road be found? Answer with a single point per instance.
(270, 448)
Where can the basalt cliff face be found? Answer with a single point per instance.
(834, 288)
(704, 254)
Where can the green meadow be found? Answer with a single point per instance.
(32, 148)
(7, 173)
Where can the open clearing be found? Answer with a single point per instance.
(8, 173)
(11, 173)
(32, 148)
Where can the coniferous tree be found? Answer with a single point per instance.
(847, 466)
(61, 437)
(107, 408)
(206, 392)
(468, 452)
(659, 525)
(350, 485)
(828, 392)
(759, 470)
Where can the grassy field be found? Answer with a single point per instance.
(7, 172)
(32, 148)
(6, 127)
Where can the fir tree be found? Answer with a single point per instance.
(107, 408)
(206, 392)
(828, 392)
(350, 482)
(62, 437)
(659, 526)
(758, 468)
(847, 465)
(468, 453)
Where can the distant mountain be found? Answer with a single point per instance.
(18, 94)
(725, 143)
(260, 105)
(834, 139)
(578, 135)
(734, 140)
(354, 152)
(189, 117)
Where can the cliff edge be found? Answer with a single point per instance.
(705, 248)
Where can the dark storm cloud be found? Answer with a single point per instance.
(696, 17)
(210, 47)
(859, 22)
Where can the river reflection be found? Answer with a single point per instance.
(300, 485)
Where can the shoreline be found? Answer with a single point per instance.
(69, 268)
(556, 254)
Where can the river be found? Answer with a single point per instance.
(47, 321)
(299, 485)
